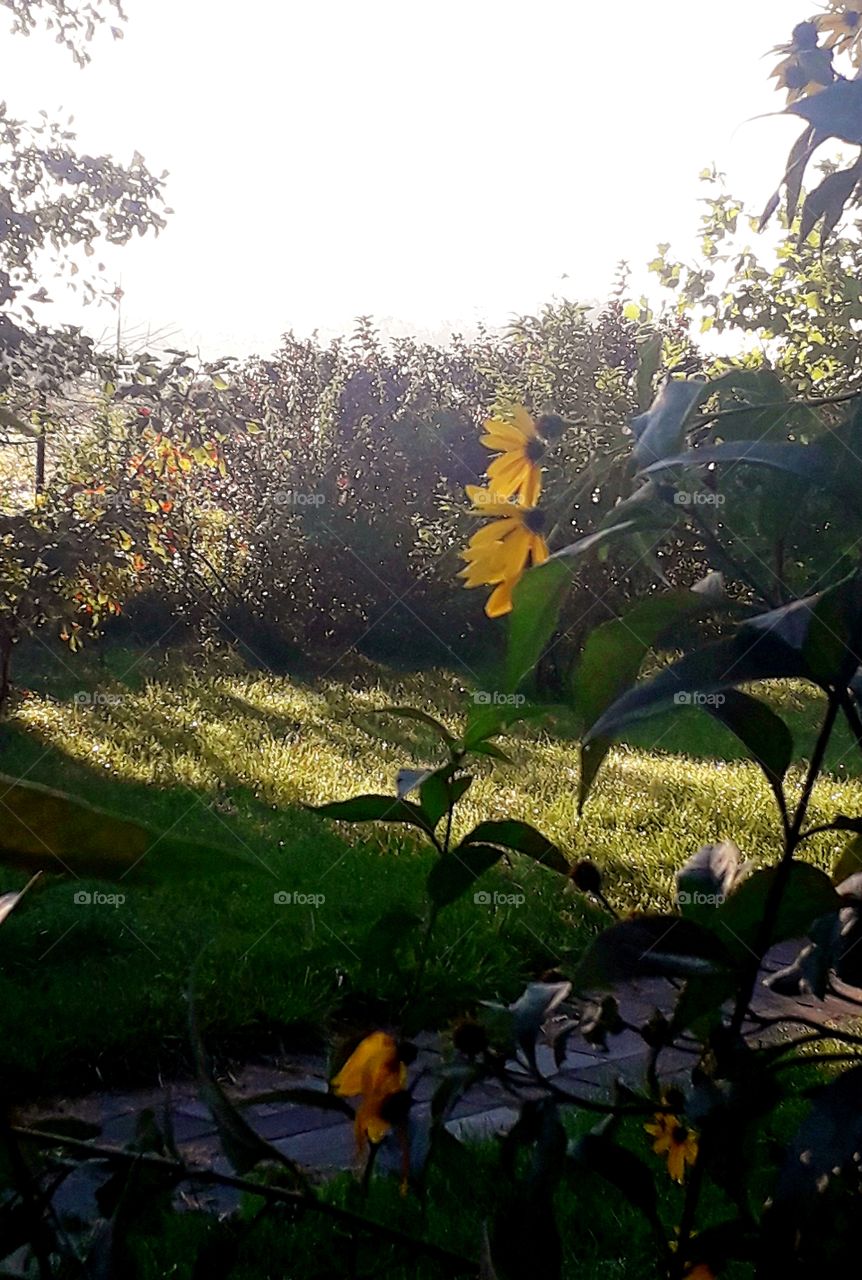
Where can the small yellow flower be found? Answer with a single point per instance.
(516, 472)
(807, 67)
(373, 1073)
(498, 554)
(842, 30)
(675, 1141)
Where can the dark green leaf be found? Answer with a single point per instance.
(596, 1155)
(243, 1147)
(761, 731)
(486, 719)
(810, 463)
(660, 430)
(649, 361)
(522, 838)
(536, 604)
(651, 946)
(808, 894)
(434, 793)
(421, 717)
(835, 111)
(453, 873)
(827, 201)
(373, 808)
(614, 651)
(694, 679)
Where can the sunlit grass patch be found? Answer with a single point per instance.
(229, 755)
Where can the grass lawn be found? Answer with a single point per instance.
(96, 993)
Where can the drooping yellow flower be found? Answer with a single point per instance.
(675, 1141)
(842, 30)
(807, 66)
(373, 1073)
(498, 554)
(516, 472)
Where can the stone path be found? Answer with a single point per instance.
(322, 1141)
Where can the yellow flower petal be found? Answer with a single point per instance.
(508, 473)
(499, 601)
(524, 422)
(374, 1051)
(508, 431)
(492, 532)
(532, 487)
(539, 550)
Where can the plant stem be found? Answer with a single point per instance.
(784, 868)
(273, 1194)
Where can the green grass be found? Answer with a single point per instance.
(97, 993)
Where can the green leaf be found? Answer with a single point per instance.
(453, 873)
(611, 660)
(531, 1011)
(660, 430)
(835, 111)
(374, 808)
(486, 719)
(827, 201)
(45, 830)
(808, 462)
(614, 651)
(597, 1155)
(521, 838)
(824, 629)
(421, 717)
(649, 360)
(434, 793)
(694, 679)
(759, 729)
(800, 153)
(700, 1002)
(808, 894)
(536, 604)
(243, 1147)
(441, 789)
(649, 946)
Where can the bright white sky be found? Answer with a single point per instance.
(429, 164)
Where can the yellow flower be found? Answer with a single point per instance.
(516, 471)
(807, 68)
(373, 1072)
(842, 29)
(498, 553)
(675, 1141)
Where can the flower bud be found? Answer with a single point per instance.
(470, 1038)
(586, 876)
